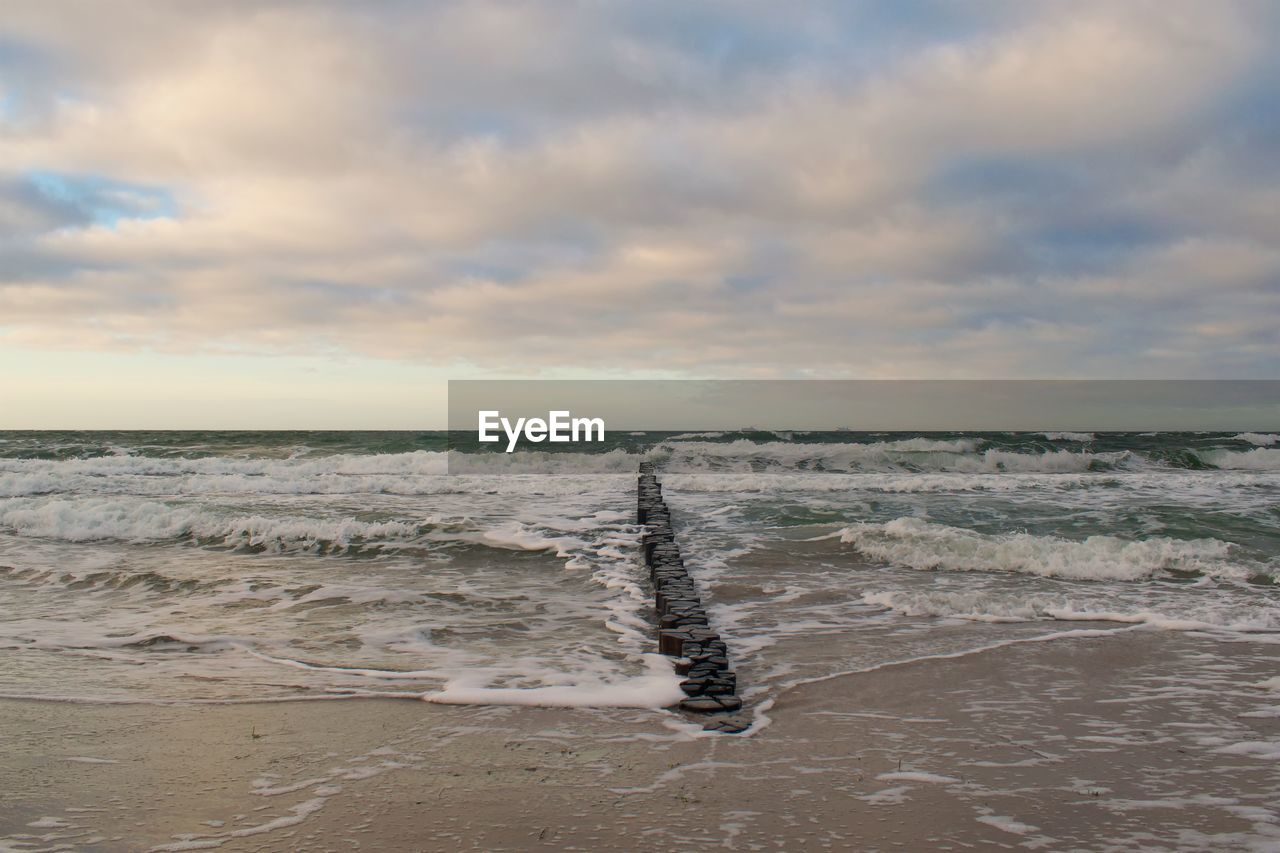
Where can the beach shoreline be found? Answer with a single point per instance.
(1087, 741)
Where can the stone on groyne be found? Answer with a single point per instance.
(684, 630)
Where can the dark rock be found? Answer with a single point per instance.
(715, 687)
(711, 704)
(694, 686)
(701, 705)
(672, 620)
(685, 605)
(728, 726)
(728, 703)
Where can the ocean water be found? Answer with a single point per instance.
(275, 566)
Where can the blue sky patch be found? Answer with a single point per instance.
(101, 200)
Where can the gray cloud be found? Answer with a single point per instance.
(1057, 189)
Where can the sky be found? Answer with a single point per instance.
(289, 214)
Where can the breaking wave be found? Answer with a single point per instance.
(1258, 459)
(924, 545)
(424, 472)
(140, 520)
(992, 606)
(908, 455)
(1069, 436)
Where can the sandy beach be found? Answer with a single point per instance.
(1109, 741)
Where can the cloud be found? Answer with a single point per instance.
(1057, 189)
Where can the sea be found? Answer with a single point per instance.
(227, 567)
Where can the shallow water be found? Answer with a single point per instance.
(250, 566)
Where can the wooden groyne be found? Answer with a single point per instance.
(684, 632)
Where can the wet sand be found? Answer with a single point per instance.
(1137, 738)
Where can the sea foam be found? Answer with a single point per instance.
(920, 544)
(1203, 613)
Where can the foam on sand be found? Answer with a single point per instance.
(297, 814)
(658, 688)
(1007, 824)
(917, 776)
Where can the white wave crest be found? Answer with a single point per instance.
(1210, 612)
(519, 537)
(915, 454)
(1068, 436)
(419, 462)
(1054, 461)
(419, 473)
(616, 461)
(920, 544)
(929, 445)
(1258, 439)
(1258, 459)
(90, 519)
